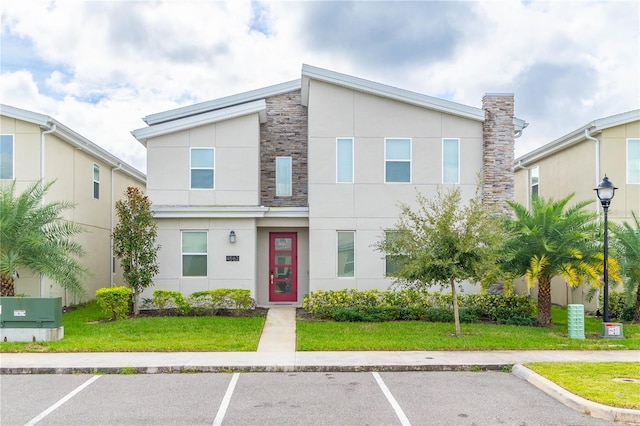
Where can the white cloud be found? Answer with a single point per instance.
(99, 67)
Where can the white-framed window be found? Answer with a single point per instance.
(344, 160)
(194, 253)
(283, 176)
(346, 253)
(7, 157)
(96, 181)
(534, 181)
(397, 160)
(450, 160)
(202, 168)
(633, 161)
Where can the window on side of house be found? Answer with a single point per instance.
(283, 176)
(344, 160)
(633, 161)
(450, 160)
(393, 262)
(397, 160)
(96, 181)
(7, 157)
(194, 253)
(346, 254)
(202, 168)
(534, 177)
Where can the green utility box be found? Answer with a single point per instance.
(575, 321)
(30, 312)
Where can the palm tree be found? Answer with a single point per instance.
(627, 242)
(552, 240)
(35, 236)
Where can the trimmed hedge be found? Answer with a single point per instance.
(114, 301)
(165, 299)
(378, 305)
(618, 307)
(211, 302)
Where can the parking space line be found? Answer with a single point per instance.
(55, 406)
(396, 407)
(225, 400)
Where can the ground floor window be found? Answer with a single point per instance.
(194, 253)
(346, 253)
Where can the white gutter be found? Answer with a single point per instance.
(42, 175)
(112, 222)
(597, 141)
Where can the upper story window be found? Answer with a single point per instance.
(202, 168)
(344, 160)
(194, 253)
(633, 160)
(283, 176)
(534, 177)
(96, 181)
(346, 254)
(6, 157)
(450, 160)
(397, 160)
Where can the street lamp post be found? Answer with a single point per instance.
(605, 191)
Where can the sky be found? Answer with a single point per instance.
(98, 67)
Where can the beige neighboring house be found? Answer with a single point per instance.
(576, 163)
(283, 190)
(35, 146)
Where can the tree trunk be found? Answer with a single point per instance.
(637, 316)
(456, 316)
(7, 285)
(544, 301)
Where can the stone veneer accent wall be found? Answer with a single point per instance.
(498, 151)
(284, 135)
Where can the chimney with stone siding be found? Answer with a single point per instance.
(498, 151)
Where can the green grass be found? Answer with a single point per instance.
(85, 332)
(415, 335)
(595, 381)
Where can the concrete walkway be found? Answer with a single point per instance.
(277, 352)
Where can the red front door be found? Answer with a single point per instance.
(283, 267)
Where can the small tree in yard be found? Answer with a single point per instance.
(35, 236)
(134, 241)
(627, 242)
(443, 242)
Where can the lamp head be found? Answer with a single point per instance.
(605, 191)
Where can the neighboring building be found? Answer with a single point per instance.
(284, 190)
(576, 163)
(35, 146)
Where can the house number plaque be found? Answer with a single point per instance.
(233, 258)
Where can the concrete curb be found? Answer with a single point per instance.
(576, 402)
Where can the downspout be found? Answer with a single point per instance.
(597, 180)
(597, 141)
(112, 223)
(42, 176)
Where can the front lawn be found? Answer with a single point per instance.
(414, 335)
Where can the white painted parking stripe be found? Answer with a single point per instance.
(55, 406)
(396, 407)
(225, 401)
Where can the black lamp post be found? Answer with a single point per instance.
(606, 190)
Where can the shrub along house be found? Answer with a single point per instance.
(34, 146)
(283, 190)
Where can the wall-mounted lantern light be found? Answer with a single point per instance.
(232, 237)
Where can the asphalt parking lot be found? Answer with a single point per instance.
(367, 398)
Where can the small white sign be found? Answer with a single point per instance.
(19, 313)
(613, 330)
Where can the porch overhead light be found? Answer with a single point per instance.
(232, 237)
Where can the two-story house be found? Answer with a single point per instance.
(576, 163)
(34, 146)
(283, 190)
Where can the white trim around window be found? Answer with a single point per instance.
(96, 181)
(344, 160)
(450, 160)
(7, 156)
(202, 162)
(633, 161)
(397, 160)
(194, 253)
(534, 181)
(283, 177)
(345, 254)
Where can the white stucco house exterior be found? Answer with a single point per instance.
(283, 190)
